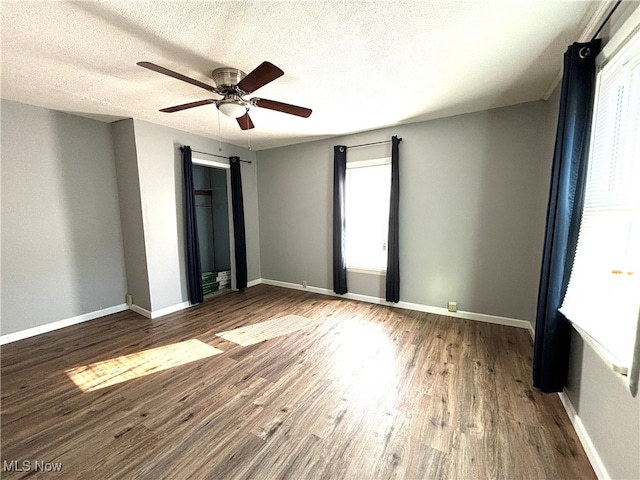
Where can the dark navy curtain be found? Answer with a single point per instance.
(240, 241)
(568, 176)
(393, 254)
(339, 260)
(194, 272)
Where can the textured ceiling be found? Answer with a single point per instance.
(359, 66)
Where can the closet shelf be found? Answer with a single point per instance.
(209, 191)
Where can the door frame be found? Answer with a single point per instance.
(232, 248)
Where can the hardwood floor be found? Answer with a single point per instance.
(372, 392)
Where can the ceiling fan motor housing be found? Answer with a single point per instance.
(227, 77)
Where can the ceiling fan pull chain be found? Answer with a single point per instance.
(219, 135)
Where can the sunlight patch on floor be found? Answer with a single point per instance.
(366, 360)
(117, 370)
(256, 333)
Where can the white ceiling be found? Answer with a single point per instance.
(358, 65)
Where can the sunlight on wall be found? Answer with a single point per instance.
(116, 370)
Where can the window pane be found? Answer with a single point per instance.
(367, 216)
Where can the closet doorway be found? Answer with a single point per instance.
(212, 188)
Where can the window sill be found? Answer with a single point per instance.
(611, 361)
(369, 271)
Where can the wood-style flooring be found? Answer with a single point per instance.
(371, 392)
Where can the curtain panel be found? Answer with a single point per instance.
(237, 206)
(393, 252)
(564, 211)
(194, 272)
(339, 239)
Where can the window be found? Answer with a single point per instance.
(603, 296)
(368, 190)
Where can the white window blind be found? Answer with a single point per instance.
(603, 296)
(368, 190)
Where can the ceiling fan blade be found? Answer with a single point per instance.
(179, 76)
(264, 73)
(184, 106)
(245, 122)
(281, 107)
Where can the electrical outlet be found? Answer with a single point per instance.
(304, 284)
(453, 306)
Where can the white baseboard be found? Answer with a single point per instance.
(253, 283)
(142, 311)
(585, 439)
(532, 331)
(167, 310)
(161, 312)
(49, 327)
(481, 317)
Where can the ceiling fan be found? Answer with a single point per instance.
(233, 84)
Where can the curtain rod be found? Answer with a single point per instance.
(219, 156)
(368, 144)
(604, 22)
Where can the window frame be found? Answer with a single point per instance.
(353, 165)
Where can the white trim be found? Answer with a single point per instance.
(620, 39)
(607, 357)
(210, 163)
(374, 162)
(553, 86)
(532, 331)
(142, 311)
(253, 283)
(601, 11)
(167, 310)
(49, 327)
(585, 439)
(369, 271)
(160, 313)
(481, 317)
(226, 166)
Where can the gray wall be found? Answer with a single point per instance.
(62, 253)
(472, 209)
(131, 212)
(610, 415)
(160, 175)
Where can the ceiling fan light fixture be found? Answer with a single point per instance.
(232, 106)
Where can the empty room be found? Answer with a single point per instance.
(320, 239)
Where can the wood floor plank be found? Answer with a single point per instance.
(366, 392)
